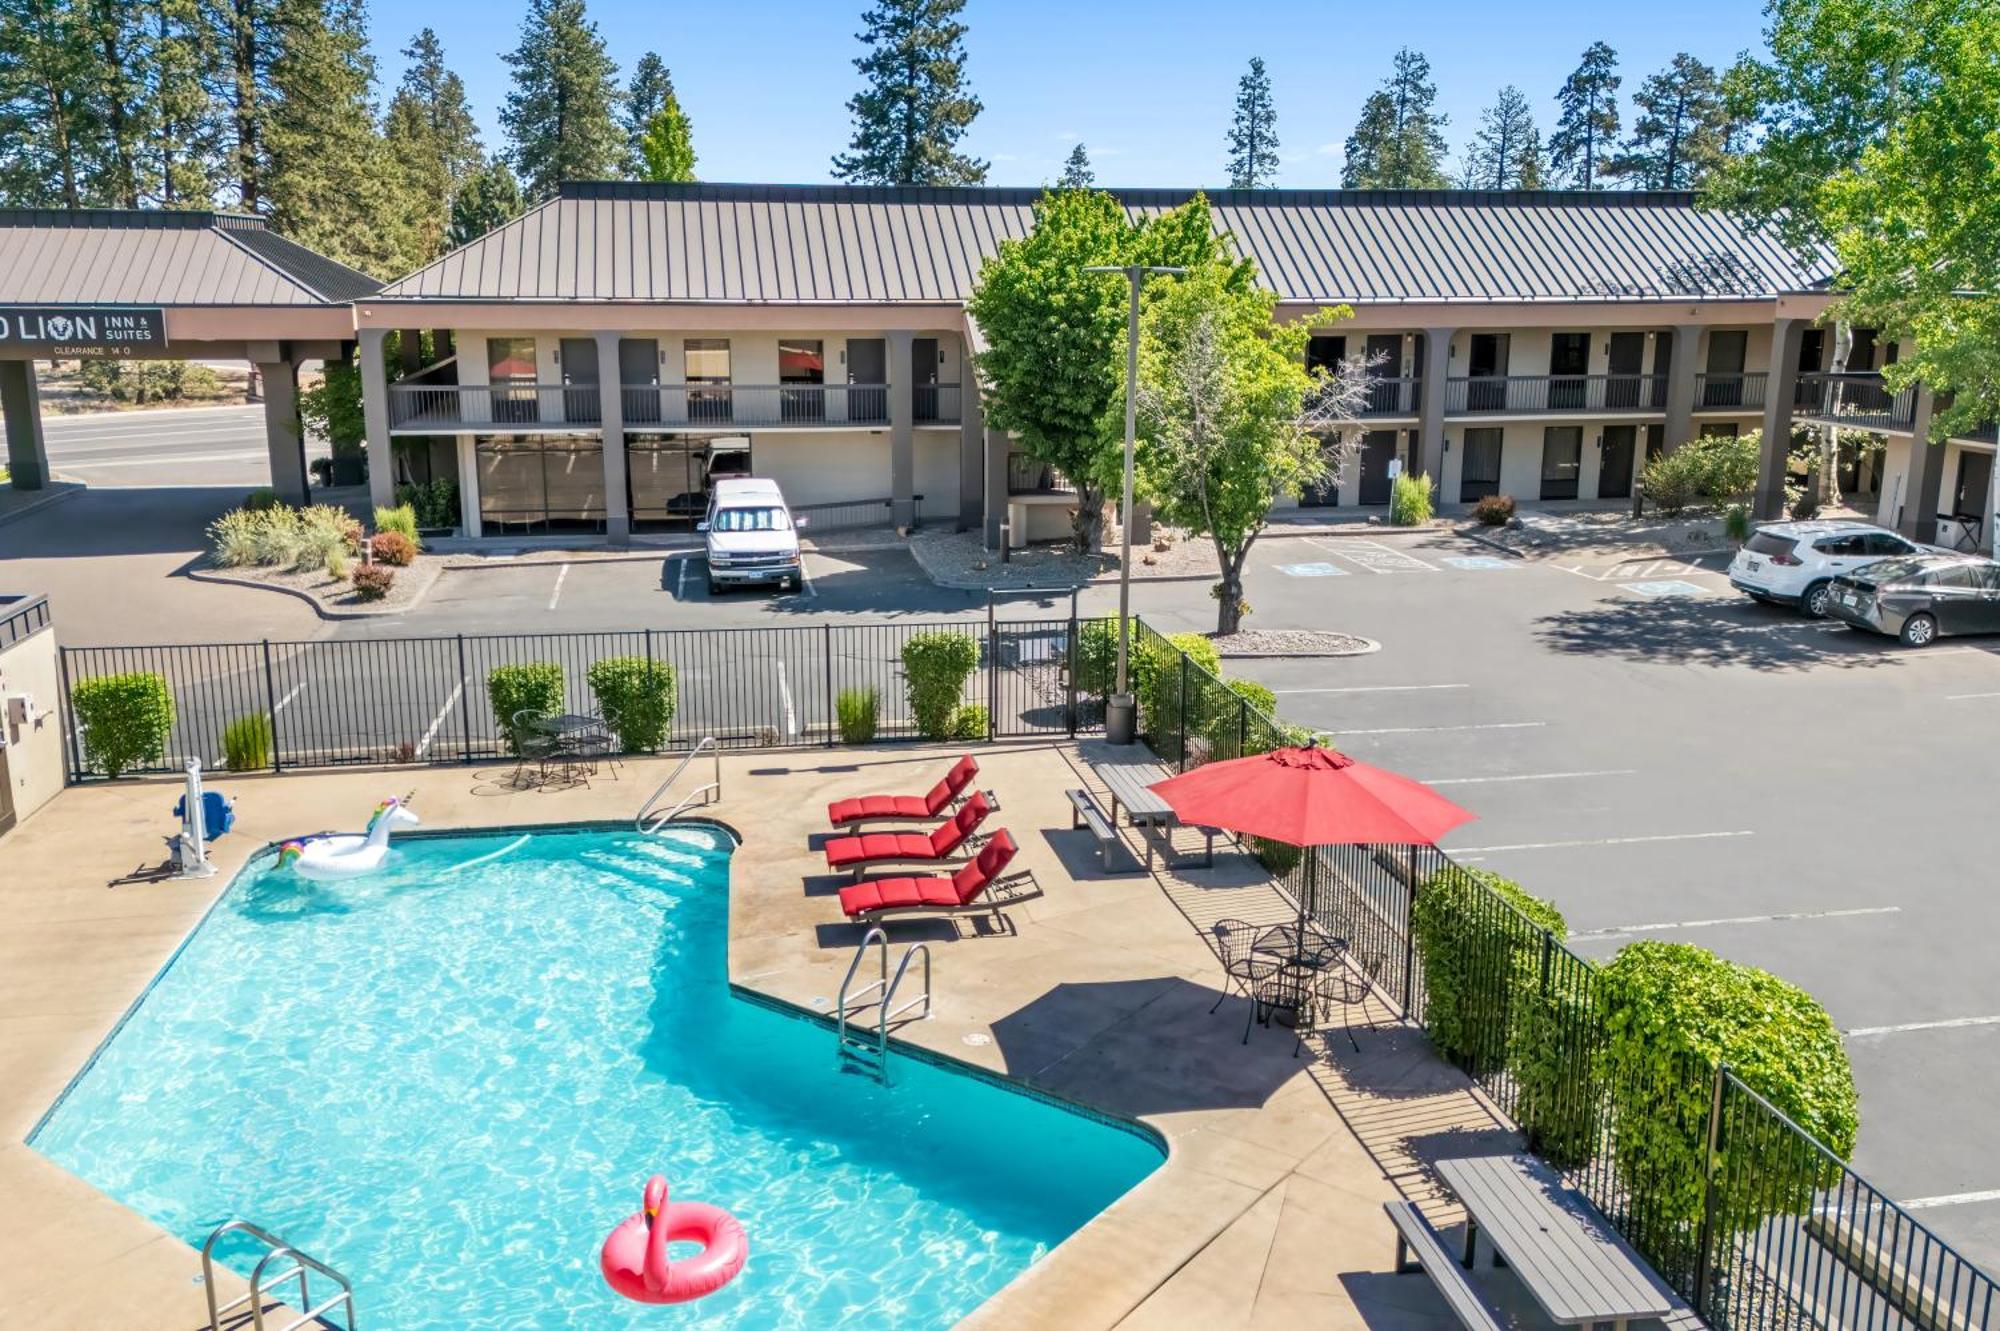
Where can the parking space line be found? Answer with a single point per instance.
(556, 595)
(1375, 688)
(1952, 1199)
(1461, 852)
(1966, 697)
(1779, 918)
(424, 744)
(1529, 776)
(681, 578)
(1425, 730)
(806, 580)
(1949, 1024)
(785, 695)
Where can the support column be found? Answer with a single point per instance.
(284, 436)
(375, 419)
(1780, 388)
(1680, 386)
(611, 411)
(1918, 520)
(902, 440)
(998, 446)
(1427, 446)
(21, 403)
(971, 452)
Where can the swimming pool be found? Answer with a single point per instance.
(449, 1080)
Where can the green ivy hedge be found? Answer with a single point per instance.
(533, 686)
(1674, 1011)
(1466, 935)
(637, 697)
(935, 668)
(125, 718)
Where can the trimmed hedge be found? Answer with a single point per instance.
(935, 668)
(1674, 1011)
(638, 699)
(125, 718)
(1464, 937)
(535, 686)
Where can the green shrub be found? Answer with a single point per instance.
(1465, 936)
(1671, 481)
(1494, 510)
(392, 547)
(336, 565)
(125, 719)
(246, 742)
(936, 666)
(1410, 500)
(1097, 658)
(859, 712)
(1672, 1013)
(435, 502)
(637, 698)
(1727, 465)
(970, 721)
(535, 687)
(373, 581)
(262, 499)
(1736, 523)
(233, 538)
(1230, 731)
(1279, 858)
(1553, 1050)
(401, 519)
(275, 537)
(325, 533)
(1156, 682)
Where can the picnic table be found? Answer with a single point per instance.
(1130, 786)
(1580, 1271)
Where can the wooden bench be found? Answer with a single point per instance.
(1416, 1239)
(1087, 814)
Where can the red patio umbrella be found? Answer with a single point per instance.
(1311, 797)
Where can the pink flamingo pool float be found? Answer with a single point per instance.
(634, 1258)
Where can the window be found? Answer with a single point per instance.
(510, 368)
(750, 519)
(707, 363)
(540, 483)
(1959, 577)
(802, 370)
(1882, 543)
(1562, 460)
(1720, 430)
(1841, 547)
(1569, 361)
(1325, 353)
(1769, 543)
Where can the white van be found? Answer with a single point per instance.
(751, 534)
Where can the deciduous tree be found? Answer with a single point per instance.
(914, 106)
(1586, 129)
(1253, 135)
(561, 116)
(668, 147)
(1399, 141)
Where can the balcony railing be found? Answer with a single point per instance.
(1555, 393)
(1730, 392)
(1390, 397)
(1860, 400)
(415, 407)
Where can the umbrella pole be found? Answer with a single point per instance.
(1307, 882)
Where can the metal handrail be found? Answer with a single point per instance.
(707, 742)
(277, 1249)
(885, 1009)
(885, 1014)
(841, 1006)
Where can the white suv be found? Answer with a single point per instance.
(750, 534)
(1794, 563)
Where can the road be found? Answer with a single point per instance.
(210, 446)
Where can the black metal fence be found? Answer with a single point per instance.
(1754, 1222)
(425, 700)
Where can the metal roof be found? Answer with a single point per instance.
(838, 244)
(104, 256)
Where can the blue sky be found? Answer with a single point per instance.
(1148, 87)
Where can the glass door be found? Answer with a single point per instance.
(1569, 362)
(510, 369)
(1562, 460)
(1479, 470)
(1486, 366)
(802, 373)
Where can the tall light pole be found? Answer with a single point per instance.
(1121, 711)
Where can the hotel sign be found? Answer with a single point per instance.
(73, 330)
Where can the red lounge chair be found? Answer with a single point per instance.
(869, 808)
(935, 894)
(858, 852)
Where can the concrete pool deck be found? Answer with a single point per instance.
(1266, 1213)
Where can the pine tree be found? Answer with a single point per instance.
(1681, 131)
(562, 113)
(432, 139)
(1587, 128)
(1399, 141)
(914, 106)
(490, 199)
(49, 128)
(1506, 152)
(186, 122)
(331, 185)
(1253, 140)
(1076, 173)
(247, 36)
(117, 45)
(645, 97)
(668, 145)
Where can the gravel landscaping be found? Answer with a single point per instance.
(961, 560)
(332, 597)
(1293, 642)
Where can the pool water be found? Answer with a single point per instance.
(451, 1079)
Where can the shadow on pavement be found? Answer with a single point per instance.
(134, 521)
(1700, 632)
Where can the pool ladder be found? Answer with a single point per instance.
(867, 1051)
(713, 789)
(263, 1280)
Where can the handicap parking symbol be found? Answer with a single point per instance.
(1311, 571)
(1478, 561)
(1662, 590)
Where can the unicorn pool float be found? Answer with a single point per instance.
(338, 855)
(635, 1260)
